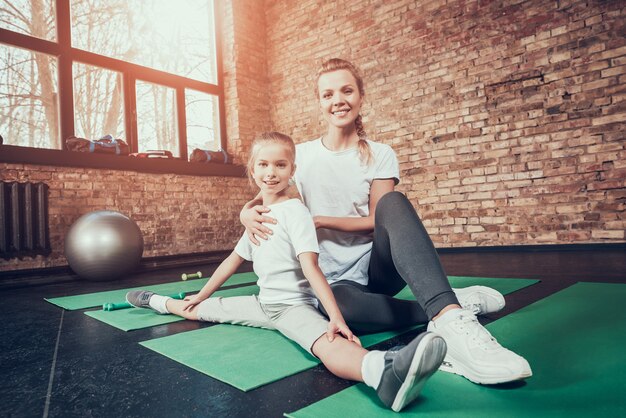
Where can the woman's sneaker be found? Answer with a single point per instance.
(474, 353)
(481, 300)
(407, 369)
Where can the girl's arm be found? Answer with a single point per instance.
(378, 188)
(324, 293)
(251, 217)
(223, 272)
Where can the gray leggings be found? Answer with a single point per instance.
(402, 254)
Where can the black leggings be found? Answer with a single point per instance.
(402, 254)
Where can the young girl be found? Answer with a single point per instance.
(289, 282)
(372, 243)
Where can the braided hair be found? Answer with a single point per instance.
(335, 64)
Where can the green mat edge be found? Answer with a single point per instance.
(244, 278)
(247, 388)
(364, 338)
(100, 315)
(308, 413)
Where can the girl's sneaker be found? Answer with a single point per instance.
(139, 298)
(407, 369)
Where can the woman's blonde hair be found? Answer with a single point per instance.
(336, 64)
(269, 138)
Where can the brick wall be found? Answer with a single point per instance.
(177, 214)
(507, 116)
(245, 74)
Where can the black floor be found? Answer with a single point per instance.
(59, 363)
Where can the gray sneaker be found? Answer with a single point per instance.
(139, 298)
(407, 369)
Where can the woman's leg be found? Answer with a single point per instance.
(403, 254)
(403, 250)
(366, 312)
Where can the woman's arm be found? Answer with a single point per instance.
(378, 189)
(252, 218)
(324, 293)
(226, 269)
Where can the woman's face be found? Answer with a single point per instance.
(339, 97)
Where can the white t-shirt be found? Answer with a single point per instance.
(275, 261)
(338, 184)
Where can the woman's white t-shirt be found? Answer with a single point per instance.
(338, 184)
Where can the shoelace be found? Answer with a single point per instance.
(470, 325)
(473, 304)
(396, 348)
(145, 297)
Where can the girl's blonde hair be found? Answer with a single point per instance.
(269, 138)
(336, 64)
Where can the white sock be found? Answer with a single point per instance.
(158, 303)
(372, 368)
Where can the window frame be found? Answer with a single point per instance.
(66, 55)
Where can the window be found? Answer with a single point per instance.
(29, 17)
(156, 116)
(172, 36)
(202, 121)
(145, 71)
(28, 98)
(98, 102)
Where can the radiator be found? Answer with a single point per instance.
(23, 219)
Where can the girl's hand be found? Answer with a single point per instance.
(252, 219)
(336, 326)
(191, 302)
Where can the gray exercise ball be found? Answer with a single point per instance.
(103, 245)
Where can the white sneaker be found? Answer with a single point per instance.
(473, 352)
(480, 300)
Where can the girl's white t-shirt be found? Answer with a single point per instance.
(338, 184)
(275, 261)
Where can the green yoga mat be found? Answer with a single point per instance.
(91, 300)
(138, 318)
(247, 358)
(574, 341)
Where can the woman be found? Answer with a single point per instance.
(372, 243)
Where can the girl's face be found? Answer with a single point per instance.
(339, 97)
(273, 167)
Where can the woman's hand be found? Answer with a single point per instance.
(338, 326)
(252, 219)
(318, 221)
(191, 302)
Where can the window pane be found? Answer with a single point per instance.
(98, 102)
(157, 128)
(28, 98)
(173, 36)
(202, 121)
(31, 17)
